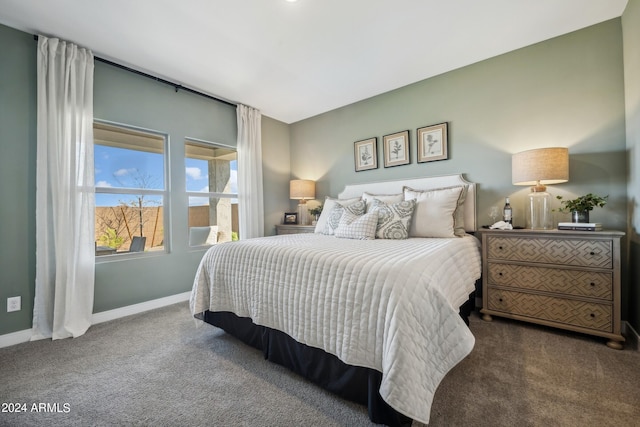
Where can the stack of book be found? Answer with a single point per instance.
(580, 226)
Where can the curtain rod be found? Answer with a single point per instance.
(176, 86)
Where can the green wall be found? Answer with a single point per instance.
(276, 171)
(124, 97)
(567, 91)
(631, 34)
(17, 176)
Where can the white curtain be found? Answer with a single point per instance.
(65, 201)
(250, 206)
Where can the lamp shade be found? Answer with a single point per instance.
(303, 189)
(540, 166)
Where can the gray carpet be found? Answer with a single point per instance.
(158, 369)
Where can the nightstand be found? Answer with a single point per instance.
(294, 228)
(564, 279)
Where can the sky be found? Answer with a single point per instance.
(125, 168)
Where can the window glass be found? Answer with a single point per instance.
(130, 189)
(212, 188)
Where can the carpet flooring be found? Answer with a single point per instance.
(159, 369)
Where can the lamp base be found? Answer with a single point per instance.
(538, 213)
(303, 214)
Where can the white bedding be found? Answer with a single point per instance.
(390, 305)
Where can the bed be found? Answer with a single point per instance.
(376, 319)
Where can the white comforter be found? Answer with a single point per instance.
(390, 305)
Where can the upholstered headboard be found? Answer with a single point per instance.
(426, 183)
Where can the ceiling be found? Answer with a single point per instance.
(296, 60)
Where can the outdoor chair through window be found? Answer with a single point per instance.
(137, 244)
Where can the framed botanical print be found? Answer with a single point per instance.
(432, 143)
(396, 149)
(366, 154)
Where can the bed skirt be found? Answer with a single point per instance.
(353, 383)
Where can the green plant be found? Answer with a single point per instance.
(110, 238)
(582, 203)
(316, 211)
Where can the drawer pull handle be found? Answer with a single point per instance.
(592, 253)
(592, 284)
(500, 299)
(500, 247)
(500, 274)
(592, 315)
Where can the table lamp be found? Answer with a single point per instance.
(540, 167)
(303, 190)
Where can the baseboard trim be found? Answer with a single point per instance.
(20, 337)
(105, 316)
(631, 336)
(7, 340)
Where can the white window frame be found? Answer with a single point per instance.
(164, 193)
(201, 194)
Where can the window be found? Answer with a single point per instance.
(211, 172)
(130, 178)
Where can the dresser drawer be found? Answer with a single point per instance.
(575, 252)
(294, 229)
(565, 311)
(591, 284)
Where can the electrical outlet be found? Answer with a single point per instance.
(13, 304)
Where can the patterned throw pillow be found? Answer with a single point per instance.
(361, 227)
(333, 220)
(386, 198)
(329, 203)
(394, 219)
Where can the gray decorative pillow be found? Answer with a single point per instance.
(386, 198)
(360, 227)
(329, 203)
(394, 219)
(333, 220)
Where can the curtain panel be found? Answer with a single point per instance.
(250, 198)
(65, 200)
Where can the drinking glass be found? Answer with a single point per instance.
(494, 214)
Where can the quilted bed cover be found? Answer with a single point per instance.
(389, 305)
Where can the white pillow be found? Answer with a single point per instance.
(336, 213)
(386, 198)
(329, 203)
(361, 227)
(393, 219)
(438, 212)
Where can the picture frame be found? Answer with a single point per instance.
(365, 154)
(290, 218)
(396, 149)
(432, 143)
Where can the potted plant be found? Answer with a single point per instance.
(316, 212)
(580, 207)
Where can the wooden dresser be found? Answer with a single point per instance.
(294, 228)
(564, 279)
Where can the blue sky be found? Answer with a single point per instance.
(124, 168)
